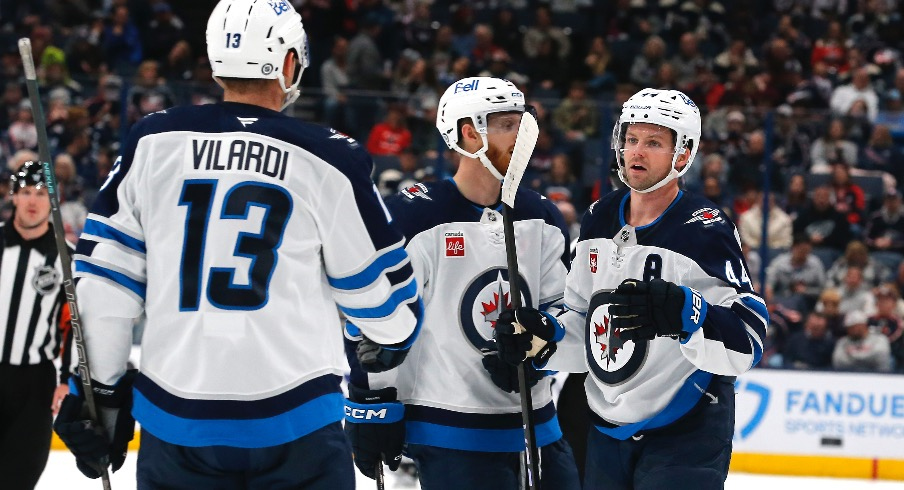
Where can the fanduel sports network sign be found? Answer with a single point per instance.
(820, 414)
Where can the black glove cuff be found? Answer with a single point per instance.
(362, 395)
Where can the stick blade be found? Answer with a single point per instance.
(524, 148)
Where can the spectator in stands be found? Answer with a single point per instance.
(811, 348)
(164, 31)
(391, 136)
(857, 255)
(572, 220)
(795, 199)
(149, 92)
(828, 230)
(849, 197)
(500, 66)
(860, 88)
(576, 117)
(856, 294)
(687, 62)
(892, 113)
(880, 153)
(645, 67)
(482, 53)
(830, 49)
(596, 69)
(829, 305)
(55, 77)
(544, 28)
(179, 63)
(747, 169)
(560, 183)
(507, 33)
(22, 132)
(791, 146)
(420, 28)
(888, 322)
(738, 57)
(796, 277)
(10, 100)
(780, 227)
(337, 112)
(861, 349)
(831, 147)
(547, 72)
(885, 231)
(121, 41)
(365, 62)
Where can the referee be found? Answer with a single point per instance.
(34, 330)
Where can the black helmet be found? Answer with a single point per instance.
(31, 173)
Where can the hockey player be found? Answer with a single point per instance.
(238, 231)
(461, 406)
(660, 309)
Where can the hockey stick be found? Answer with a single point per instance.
(524, 147)
(381, 484)
(31, 81)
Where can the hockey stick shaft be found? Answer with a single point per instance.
(31, 81)
(378, 472)
(527, 413)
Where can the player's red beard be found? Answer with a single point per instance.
(500, 158)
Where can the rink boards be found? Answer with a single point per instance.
(830, 424)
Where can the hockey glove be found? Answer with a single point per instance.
(505, 376)
(647, 309)
(376, 358)
(375, 426)
(536, 337)
(97, 445)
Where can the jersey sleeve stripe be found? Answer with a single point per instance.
(372, 271)
(398, 297)
(83, 268)
(103, 230)
(118, 267)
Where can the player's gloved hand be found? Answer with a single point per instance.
(505, 375)
(375, 426)
(376, 358)
(647, 309)
(97, 445)
(538, 339)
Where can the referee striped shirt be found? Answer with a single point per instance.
(34, 316)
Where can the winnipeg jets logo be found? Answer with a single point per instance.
(338, 135)
(609, 340)
(247, 121)
(485, 298)
(417, 190)
(611, 358)
(495, 306)
(706, 215)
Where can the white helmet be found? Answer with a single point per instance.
(668, 108)
(250, 39)
(474, 98)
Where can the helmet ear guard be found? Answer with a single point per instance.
(671, 109)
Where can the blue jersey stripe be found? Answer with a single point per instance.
(236, 409)
(139, 288)
(479, 432)
(685, 399)
(399, 296)
(372, 272)
(103, 230)
(247, 433)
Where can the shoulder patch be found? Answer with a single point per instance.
(707, 216)
(415, 191)
(337, 135)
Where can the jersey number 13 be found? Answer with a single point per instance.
(260, 247)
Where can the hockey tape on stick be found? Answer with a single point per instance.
(31, 82)
(524, 148)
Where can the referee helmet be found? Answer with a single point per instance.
(31, 173)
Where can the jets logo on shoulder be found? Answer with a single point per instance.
(706, 215)
(417, 190)
(337, 135)
(247, 121)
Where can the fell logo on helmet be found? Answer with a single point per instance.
(279, 6)
(466, 87)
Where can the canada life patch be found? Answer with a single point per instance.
(594, 259)
(706, 215)
(455, 244)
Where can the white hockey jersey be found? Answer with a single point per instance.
(239, 230)
(457, 249)
(634, 386)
